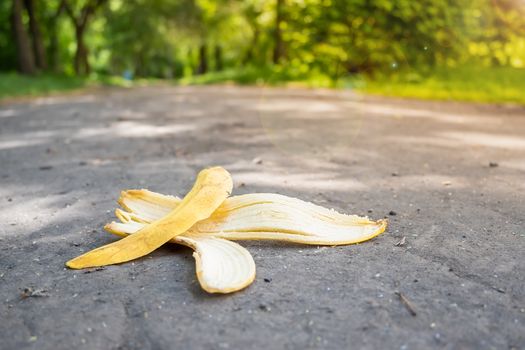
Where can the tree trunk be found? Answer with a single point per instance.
(38, 45)
(53, 49)
(80, 23)
(139, 63)
(218, 58)
(81, 55)
(248, 57)
(26, 60)
(278, 49)
(203, 60)
(52, 29)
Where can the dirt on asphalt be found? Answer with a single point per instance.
(449, 273)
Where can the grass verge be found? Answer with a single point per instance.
(476, 84)
(495, 85)
(15, 85)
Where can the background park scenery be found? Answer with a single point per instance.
(470, 50)
(409, 111)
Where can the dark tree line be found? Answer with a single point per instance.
(29, 42)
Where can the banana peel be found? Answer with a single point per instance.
(224, 266)
(256, 216)
(262, 216)
(212, 187)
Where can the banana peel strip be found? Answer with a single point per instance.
(257, 216)
(211, 188)
(222, 266)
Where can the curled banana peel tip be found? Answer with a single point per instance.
(209, 221)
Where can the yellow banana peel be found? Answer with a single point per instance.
(207, 221)
(212, 187)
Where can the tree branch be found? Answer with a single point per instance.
(89, 10)
(85, 13)
(69, 11)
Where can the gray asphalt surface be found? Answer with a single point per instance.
(64, 160)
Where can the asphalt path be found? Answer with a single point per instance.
(449, 273)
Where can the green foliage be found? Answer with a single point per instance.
(12, 84)
(324, 42)
(263, 76)
(465, 83)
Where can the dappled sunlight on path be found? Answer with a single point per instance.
(448, 176)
